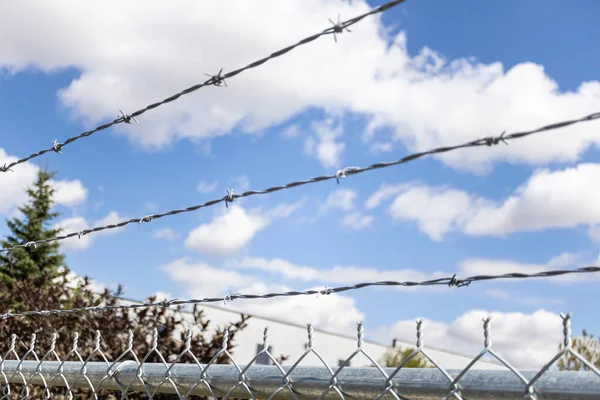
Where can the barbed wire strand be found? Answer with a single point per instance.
(215, 80)
(452, 281)
(230, 197)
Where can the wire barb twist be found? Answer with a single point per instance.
(340, 289)
(215, 80)
(230, 197)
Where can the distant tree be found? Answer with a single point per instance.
(36, 278)
(65, 292)
(586, 346)
(43, 260)
(394, 357)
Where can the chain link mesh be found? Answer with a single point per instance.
(44, 375)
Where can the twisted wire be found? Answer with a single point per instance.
(215, 80)
(230, 197)
(452, 281)
(131, 371)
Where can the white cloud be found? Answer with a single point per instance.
(357, 221)
(382, 147)
(325, 145)
(385, 192)
(201, 280)
(207, 187)
(321, 311)
(362, 74)
(69, 193)
(234, 229)
(338, 274)
(436, 211)
(14, 185)
(549, 199)
(79, 224)
(564, 198)
(227, 233)
(525, 340)
(284, 210)
(166, 233)
(342, 199)
(290, 132)
(74, 280)
(594, 233)
(205, 280)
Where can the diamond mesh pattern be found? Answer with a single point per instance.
(44, 375)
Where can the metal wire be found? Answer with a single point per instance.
(453, 281)
(343, 173)
(50, 373)
(215, 80)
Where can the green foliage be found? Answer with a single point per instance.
(36, 278)
(44, 260)
(587, 347)
(394, 357)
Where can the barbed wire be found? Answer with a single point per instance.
(453, 281)
(343, 173)
(215, 80)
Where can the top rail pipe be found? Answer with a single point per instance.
(308, 382)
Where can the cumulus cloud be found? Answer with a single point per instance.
(525, 340)
(549, 199)
(199, 279)
(78, 224)
(290, 132)
(14, 185)
(325, 144)
(563, 198)
(74, 280)
(594, 233)
(227, 233)
(118, 57)
(69, 193)
(345, 200)
(338, 274)
(436, 211)
(234, 229)
(382, 147)
(342, 199)
(204, 279)
(357, 221)
(166, 233)
(385, 192)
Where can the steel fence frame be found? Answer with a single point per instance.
(130, 373)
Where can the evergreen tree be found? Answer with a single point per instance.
(40, 261)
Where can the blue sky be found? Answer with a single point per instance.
(447, 72)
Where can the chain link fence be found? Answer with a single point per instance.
(42, 374)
